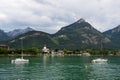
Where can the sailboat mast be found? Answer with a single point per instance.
(101, 47)
(22, 48)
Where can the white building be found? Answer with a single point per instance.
(45, 49)
(86, 54)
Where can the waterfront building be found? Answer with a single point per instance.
(60, 52)
(45, 49)
(86, 54)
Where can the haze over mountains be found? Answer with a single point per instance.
(78, 35)
(14, 33)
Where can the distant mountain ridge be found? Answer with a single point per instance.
(18, 32)
(3, 35)
(114, 35)
(14, 33)
(78, 35)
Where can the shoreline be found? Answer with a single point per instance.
(30, 55)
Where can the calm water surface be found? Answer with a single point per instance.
(60, 68)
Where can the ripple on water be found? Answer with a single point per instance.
(60, 68)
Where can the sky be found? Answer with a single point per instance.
(51, 15)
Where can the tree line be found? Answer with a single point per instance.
(37, 51)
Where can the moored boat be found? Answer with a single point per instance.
(99, 60)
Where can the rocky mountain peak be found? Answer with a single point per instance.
(29, 29)
(81, 20)
(117, 29)
(17, 32)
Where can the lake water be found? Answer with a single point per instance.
(60, 68)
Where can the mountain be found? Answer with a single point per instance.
(114, 35)
(3, 35)
(80, 34)
(18, 32)
(32, 39)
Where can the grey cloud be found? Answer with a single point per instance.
(51, 15)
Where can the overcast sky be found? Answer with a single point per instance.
(51, 15)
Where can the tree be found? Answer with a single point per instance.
(33, 51)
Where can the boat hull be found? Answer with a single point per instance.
(99, 60)
(20, 60)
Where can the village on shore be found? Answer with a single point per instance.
(6, 51)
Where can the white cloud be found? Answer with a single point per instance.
(51, 15)
(3, 17)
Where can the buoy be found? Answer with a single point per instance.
(86, 66)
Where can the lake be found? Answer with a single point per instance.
(60, 68)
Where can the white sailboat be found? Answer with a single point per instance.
(20, 60)
(100, 60)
